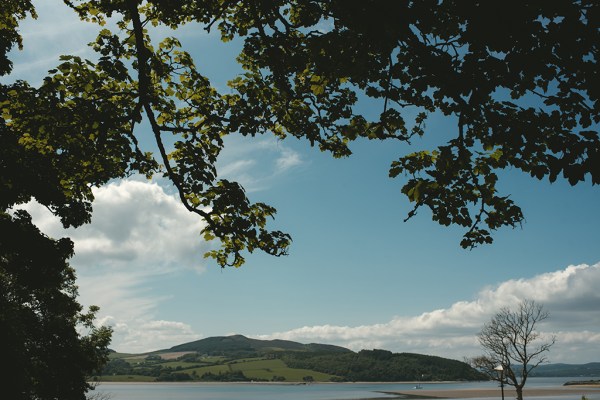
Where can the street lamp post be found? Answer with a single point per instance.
(500, 370)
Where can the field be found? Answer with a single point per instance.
(126, 378)
(263, 369)
(151, 367)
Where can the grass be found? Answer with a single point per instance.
(182, 364)
(112, 356)
(267, 369)
(126, 378)
(252, 368)
(213, 359)
(213, 369)
(262, 369)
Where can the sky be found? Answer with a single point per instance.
(357, 275)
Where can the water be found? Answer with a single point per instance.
(337, 391)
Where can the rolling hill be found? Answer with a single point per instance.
(237, 345)
(238, 358)
(568, 370)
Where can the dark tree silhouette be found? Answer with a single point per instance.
(45, 353)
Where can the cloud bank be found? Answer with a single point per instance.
(570, 295)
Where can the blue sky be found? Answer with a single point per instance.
(356, 276)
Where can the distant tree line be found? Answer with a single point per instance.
(228, 376)
(147, 368)
(383, 365)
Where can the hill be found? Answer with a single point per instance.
(238, 358)
(384, 366)
(568, 370)
(237, 345)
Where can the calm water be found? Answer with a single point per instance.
(255, 391)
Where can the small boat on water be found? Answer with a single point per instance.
(418, 386)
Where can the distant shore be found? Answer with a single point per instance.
(575, 390)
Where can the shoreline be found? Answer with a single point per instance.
(574, 390)
(509, 393)
(566, 389)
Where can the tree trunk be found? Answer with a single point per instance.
(519, 390)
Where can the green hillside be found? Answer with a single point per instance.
(238, 344)
(238, 358)
(568, 370)
(383, 365)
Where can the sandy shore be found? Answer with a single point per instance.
(575, 391)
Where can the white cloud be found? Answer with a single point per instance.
(237, 167)
(142, 336)
(138, 233)
(256, 163)
(134, 224)
(130, 309)
(570, 296)
(287, 160)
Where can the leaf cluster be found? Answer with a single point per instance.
(519, 79)
(13, 12)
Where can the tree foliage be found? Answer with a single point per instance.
(49, 343)
(511, 340)
(519, 80)
(47, 355)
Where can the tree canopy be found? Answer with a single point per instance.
(519, 79)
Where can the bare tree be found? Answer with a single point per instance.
(512, 345)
